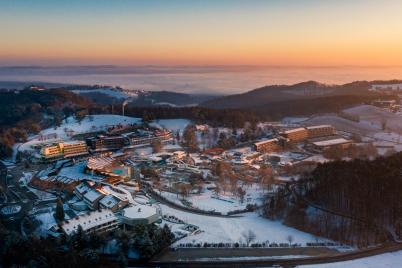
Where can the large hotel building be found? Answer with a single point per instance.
(64, 150)
(320, 131)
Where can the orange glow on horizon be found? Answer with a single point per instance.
(309, 33)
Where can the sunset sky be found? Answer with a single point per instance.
(303, 32)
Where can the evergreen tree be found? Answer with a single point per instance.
(59, 210)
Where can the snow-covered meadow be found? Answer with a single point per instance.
(230, 230)
(224, 203)
(89, 124)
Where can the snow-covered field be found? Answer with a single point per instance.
(171, 124)
(343, 124)
(90, 123)
(374, 116)
(387, 260)
(368, 111)
(229, 230)
(224, 204)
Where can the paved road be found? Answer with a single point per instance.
(389, 247)
(193, 254)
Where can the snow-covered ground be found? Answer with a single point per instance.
(171, 124)
(42, 195)
(293, 120)
(253, 258)
(317, 158)
(375, 116)
(70, 126)
(90, 123)
(229, 230)
(343, 124)
(224, 203)
(387, 260)
(47, 220)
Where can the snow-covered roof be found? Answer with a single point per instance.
(155, 158)
(319, 126)
(99, 162)
(115, 155)
(73, 142)
(118, 192)
(92, 195)
(331, 142)
(109, 201)
(88, 221)
(139, 212)
(265, 141)
(82, 188)
(294, 130)
(172, 147)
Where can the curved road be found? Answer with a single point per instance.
(178, 207)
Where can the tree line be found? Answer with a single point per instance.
(232, 118)
(80, 249)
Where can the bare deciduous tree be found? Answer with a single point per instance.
(290, 239)
(249, 236)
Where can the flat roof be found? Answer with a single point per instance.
(319, 126)
(112, 137)
(139, 212)
(89, 220)
(82, 188)
(92, 195)
(331, 142)
(109, 201)
(265, 141)
(73, 142)
(294, 130)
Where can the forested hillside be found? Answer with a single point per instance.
(28, 111)
(305, 98)
(307, 107)
(216, 117)
(361, 201)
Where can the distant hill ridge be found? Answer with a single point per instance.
(300, 91)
